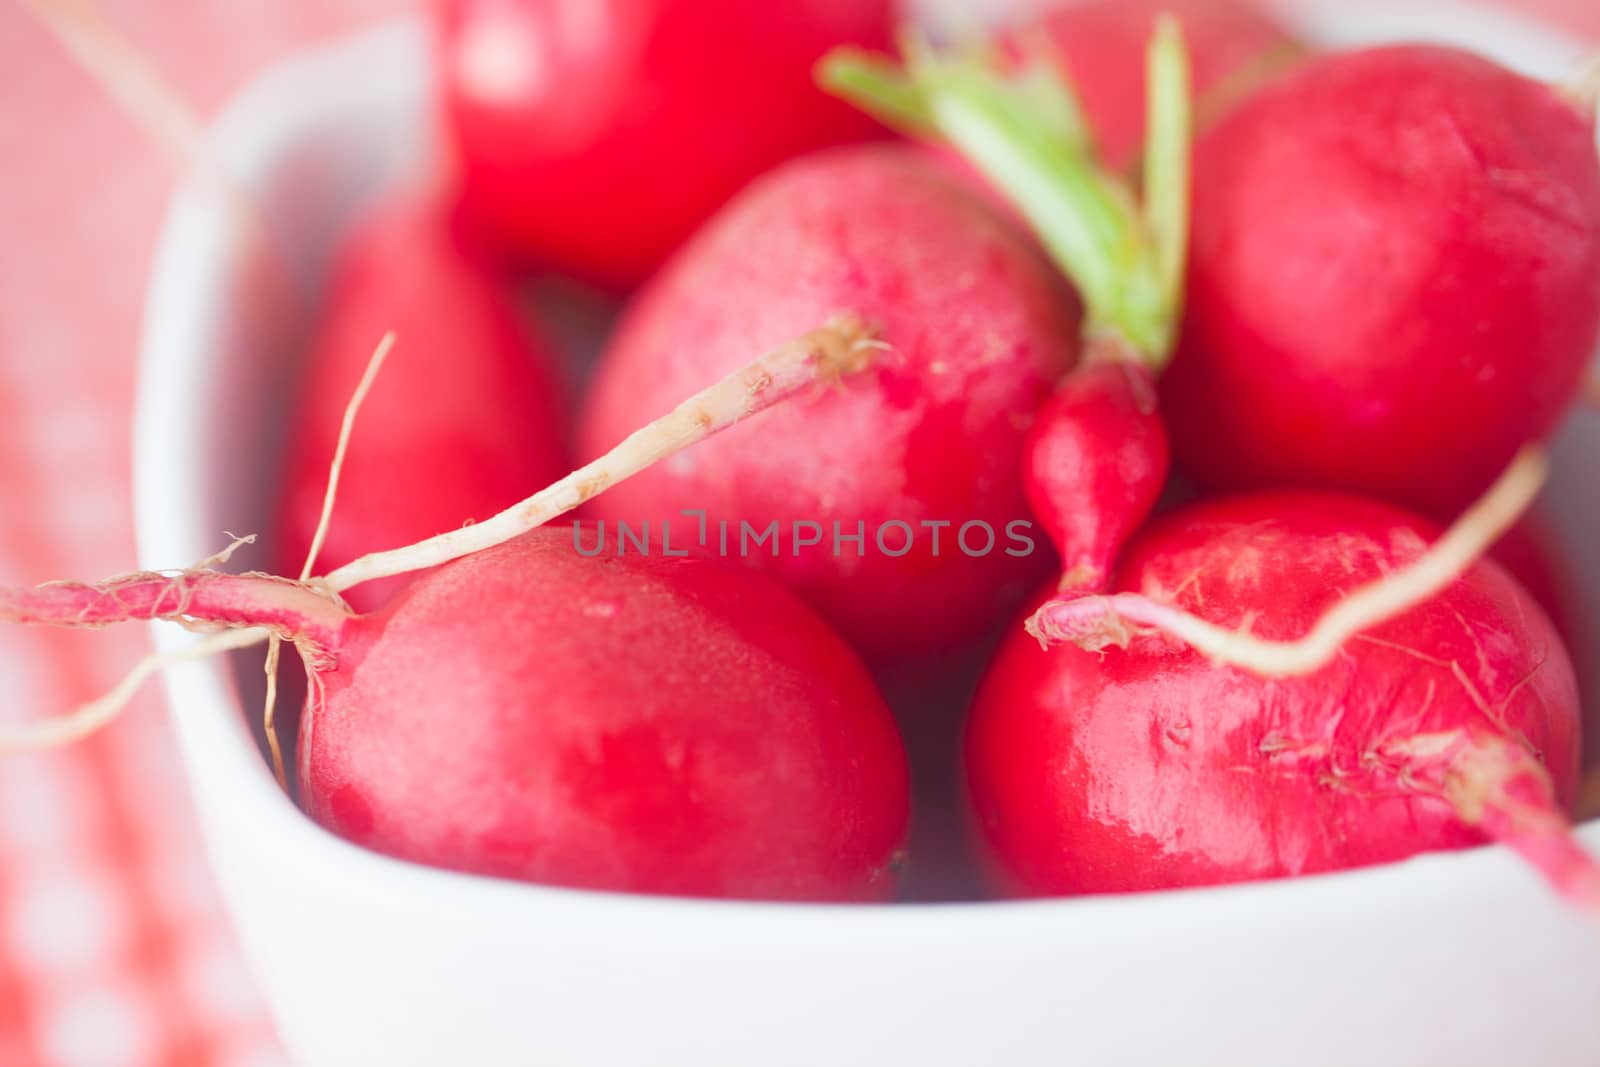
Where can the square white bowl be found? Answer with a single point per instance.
(1450, 959)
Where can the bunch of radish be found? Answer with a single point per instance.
(1057, 265)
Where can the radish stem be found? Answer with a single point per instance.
(1024, 130)
(1167, 161)
(1498, 785)
(201, 599)
(1099, 621)
(842, 347)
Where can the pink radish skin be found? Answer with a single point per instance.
(1151, 767)
(1393, 281)
(977, 328)
(595, 137)
(676, 726)
(1095, 466)
(466, 419)
(1102, 44)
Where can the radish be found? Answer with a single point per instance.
(646, 724)
(655, 724)
(1150, 764)
(1096, 460)
(1395, 278)
(595, 137)
(910, 462)
(467, 418)
(1234, 48)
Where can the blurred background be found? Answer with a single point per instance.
(113, 949)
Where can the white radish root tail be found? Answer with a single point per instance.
(1096, 622)
(346, 429)
(86, 720)
(258, 608)
(269, 713)
(136, 85)
(844, 346)
(130, 79)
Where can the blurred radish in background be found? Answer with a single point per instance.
(593, 137)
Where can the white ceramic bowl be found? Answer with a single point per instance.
(1456, 959)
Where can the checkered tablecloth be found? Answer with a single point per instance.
(113, 948)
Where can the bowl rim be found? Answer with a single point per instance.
(210, 721)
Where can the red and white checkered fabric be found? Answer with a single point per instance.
(113, 949)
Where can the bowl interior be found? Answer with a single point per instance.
(320, 136)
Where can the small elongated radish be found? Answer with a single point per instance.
(1096, 459)
(1151, 765)
(594, 137)
(467, 418)
(1395, 281)
(1234, 48)
(654, 724)
(977, 327)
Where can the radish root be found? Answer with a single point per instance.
(136, 85)
(131, 80)
(69, 729)
(260, 608)
(1097, 622)
(336, 469)
(844, 346)
(269, 712)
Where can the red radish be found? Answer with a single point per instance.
(1152, 766)
(1102, 44)
(647, 724)
(1096, 460)
(977, 327)
(596, 136)
(1395, 278)
(467, 419)
(658, 724)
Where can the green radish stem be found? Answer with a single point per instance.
(1024, 131)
